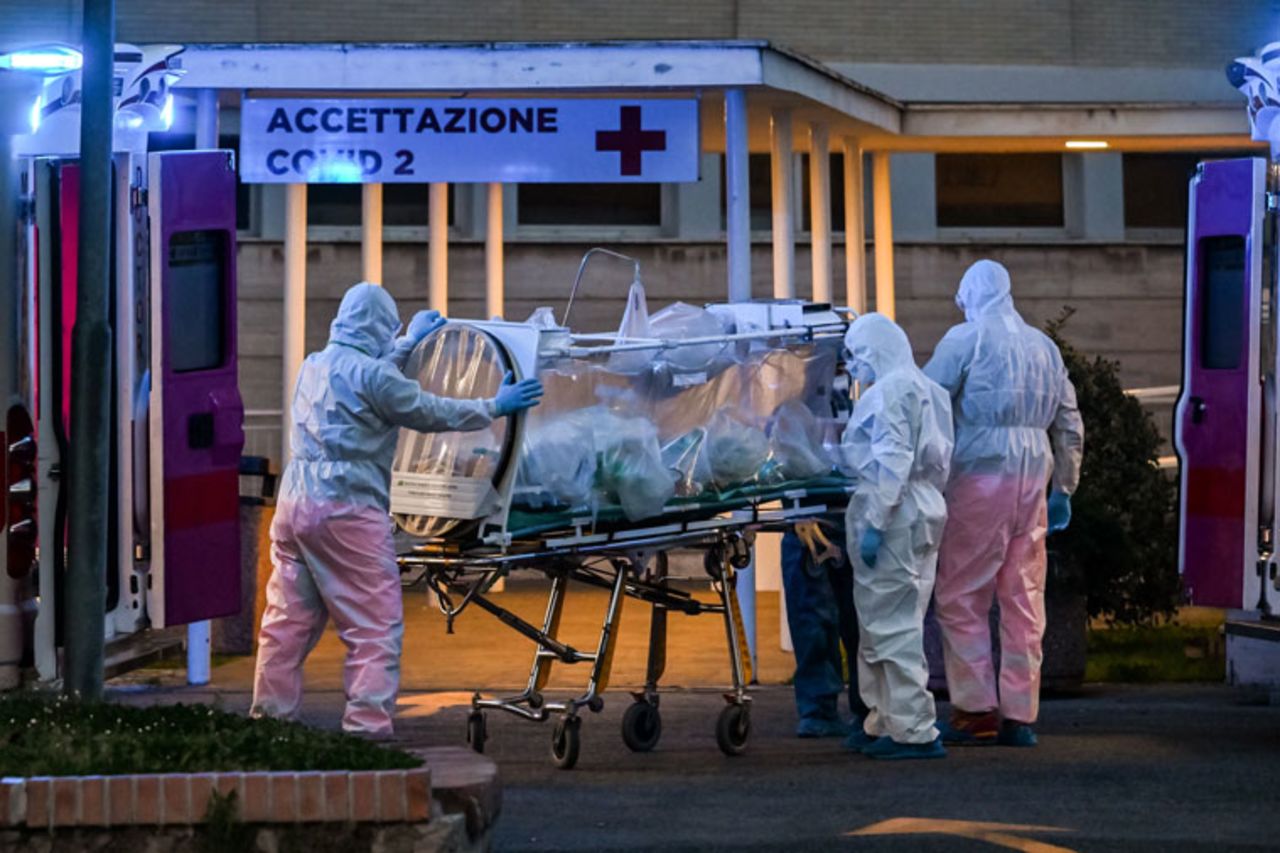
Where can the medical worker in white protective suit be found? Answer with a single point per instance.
(898, 448)
(331, 541)
(1012, 401)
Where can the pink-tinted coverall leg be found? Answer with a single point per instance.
(993, 545)
(332, 561)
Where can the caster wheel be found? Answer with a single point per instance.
(476, 731)
(596, 704)
(733, 728)
(641, 727)
(566, 742)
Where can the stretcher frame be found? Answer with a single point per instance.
(629, 562)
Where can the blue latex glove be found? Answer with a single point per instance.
(869, 547)
(516, 396)
(1059, 511)
(423, 324)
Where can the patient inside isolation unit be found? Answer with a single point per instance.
(677, 407)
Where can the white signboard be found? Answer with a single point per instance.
(390, 140)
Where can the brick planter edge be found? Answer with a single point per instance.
(182, 799)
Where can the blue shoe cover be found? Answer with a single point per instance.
(858, 740)
(887, 749)
(815, 727)
(1016, 734)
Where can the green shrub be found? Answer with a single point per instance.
(46, 736)
(1121, 547)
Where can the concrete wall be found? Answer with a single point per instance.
(1046, 32)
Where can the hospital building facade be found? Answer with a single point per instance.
(1055, 136)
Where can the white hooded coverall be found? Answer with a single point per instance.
(898, 447)
(331, 544)
(1012, 399)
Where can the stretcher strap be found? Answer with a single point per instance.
(544, 668)
(740, 629)
(606, 668)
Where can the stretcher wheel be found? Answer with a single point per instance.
(566, 742)
(476, 731)
(733, 728)
(641, 726)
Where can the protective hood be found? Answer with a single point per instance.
(876, 346)
(367, 320)
(985, 291)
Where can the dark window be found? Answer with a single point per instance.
(409, 204)
(1155, 189)
(1221, 302)
(589, 204)
(333, 204)
(760, 189)
(195, 300)
(244, 191)
(402, 204)
(170, 141)
(999, 190)
(1155, 186)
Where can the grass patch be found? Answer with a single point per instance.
(46, 736)
(1152, 654)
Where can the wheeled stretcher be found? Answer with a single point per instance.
(629, 561)
(696, 436)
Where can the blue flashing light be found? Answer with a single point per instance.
(49, 59)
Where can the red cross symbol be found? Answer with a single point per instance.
(630, 141)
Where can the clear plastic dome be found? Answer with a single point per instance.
(464, 362)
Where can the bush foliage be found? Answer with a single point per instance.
(1121, 547)
(46, 736)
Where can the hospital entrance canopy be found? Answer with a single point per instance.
(751, 96)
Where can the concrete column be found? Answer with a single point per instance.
(737, 195)
(855, 229)
(207, 118)
(1093, 195)
(782, 170)
(914, 195)
(438, 249)
(493, 282)
(694, 212)
(371, 233)
(820, 210)
(295, 302)
(882, 211)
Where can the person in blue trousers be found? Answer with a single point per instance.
(820, 615)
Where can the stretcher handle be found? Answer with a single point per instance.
(564, 321)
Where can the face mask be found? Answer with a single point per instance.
(862, 372)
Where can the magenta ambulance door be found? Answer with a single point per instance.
(1219, 417)
(196, 416)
